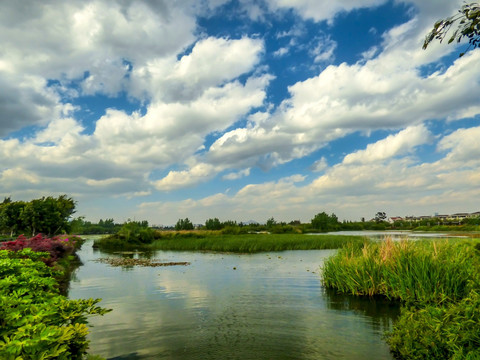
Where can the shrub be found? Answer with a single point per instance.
(36, 322)
(433, 332)
(56, 247)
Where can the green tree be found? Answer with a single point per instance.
(10, 216)
(468, 19)
(213, 224)
(48, 215)
(184, 224)
(324, 222)
(271, 223)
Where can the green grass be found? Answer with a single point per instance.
(438, 282)
(243, 243)
(411, 271)
(253, 243)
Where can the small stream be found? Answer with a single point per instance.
(228, 306)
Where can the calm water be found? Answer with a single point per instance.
(223, 306)
(395, 234)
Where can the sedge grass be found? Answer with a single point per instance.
(253, 243)
(411, 271)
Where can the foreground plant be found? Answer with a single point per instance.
(36, 322)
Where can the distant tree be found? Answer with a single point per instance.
(380, 216)
(325, 222)
(213, 224)
(271, 223)
(468, 18)
(184, 224)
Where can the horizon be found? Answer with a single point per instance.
(238, 109)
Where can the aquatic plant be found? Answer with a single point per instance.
(411, 271)
(439, 283)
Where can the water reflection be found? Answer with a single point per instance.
(263, 306)
(380, 311)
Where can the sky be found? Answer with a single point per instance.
(241, 110)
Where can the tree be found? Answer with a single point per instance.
(380, 216)
(10, 220)
(325, 222)
(184, 224)
(468, 19)
(213, 224)
(271, 223)
(48, 215)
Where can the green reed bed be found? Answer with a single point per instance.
(438, 282)
(411, 271)
(252, 243)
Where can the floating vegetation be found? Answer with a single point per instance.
(117, 261)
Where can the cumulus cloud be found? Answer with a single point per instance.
(353, 190)
(24, 101)
(237, 175)
(324, 9)
(212, 62)
(394, 145)
(180, 179)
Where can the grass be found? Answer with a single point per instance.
(438, 282)
(411, 271)
(253, 243)
(243, 243)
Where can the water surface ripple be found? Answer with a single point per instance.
(227, 306)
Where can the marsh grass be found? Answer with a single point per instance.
(411, 271)
(438, 282)
(253, 243)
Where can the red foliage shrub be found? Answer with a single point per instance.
(56, 247)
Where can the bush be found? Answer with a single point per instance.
(36, 322)
(446, 332)
(56, 247)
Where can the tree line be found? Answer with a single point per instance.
(47, 215)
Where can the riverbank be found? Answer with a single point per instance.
(438, 282)
(243, 243)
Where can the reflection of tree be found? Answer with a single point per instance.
(380, 310)
(131, 356)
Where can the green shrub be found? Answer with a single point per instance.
(438, 332)
(36, 322)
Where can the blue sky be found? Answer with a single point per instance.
(239, 110)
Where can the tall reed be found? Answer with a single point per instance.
(252, 243)
(411, 271)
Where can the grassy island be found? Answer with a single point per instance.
(220, 242)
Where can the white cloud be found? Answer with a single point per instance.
(320, 10)
(280, 52)
(237, 175)
(324, 50)
(212, 62)
(401, 143)
(397, 185)
(464, 145)
(319, 165)
(180, 179)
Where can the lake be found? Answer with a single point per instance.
(228, 306)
